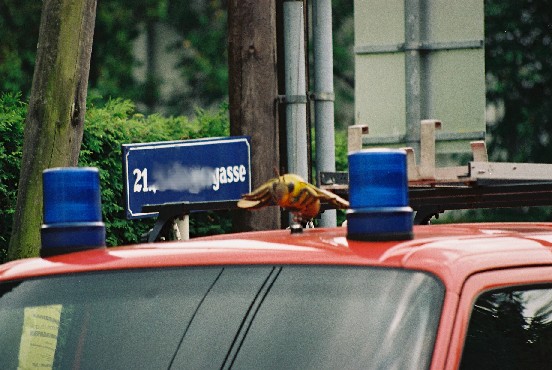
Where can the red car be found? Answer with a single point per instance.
(455, 296)
(377, 294)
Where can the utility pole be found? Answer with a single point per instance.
(253, 91)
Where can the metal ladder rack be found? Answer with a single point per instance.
(479, 184)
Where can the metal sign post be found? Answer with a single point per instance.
(172, 179)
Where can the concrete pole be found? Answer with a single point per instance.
(295, 87)
(413, 70)
(324, 94)
(181, 227)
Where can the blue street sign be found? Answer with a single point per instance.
(187, 171)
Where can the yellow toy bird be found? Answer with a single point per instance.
(291, 192)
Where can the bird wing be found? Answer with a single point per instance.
(258, 198)
(331, 198)
(253, 204)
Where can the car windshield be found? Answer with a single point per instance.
(251, 317)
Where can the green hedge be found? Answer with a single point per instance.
(12, 115)
(107, 126)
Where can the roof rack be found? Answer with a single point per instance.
(479, 184)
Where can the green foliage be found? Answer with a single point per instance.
(213, 124)
(344, 62)
(523, 214)
(19, 23)
(12, 116)
(519, 81)
(110, 73)
(107, 126)
(201, 27)
(341, 159)
(210, 223)
(118, 24)
(204, 64)
(519, 72)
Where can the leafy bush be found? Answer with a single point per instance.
(107, 126)
(12, 115)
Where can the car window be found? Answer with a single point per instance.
(244, 317)
(344, 318)
(510, 328)
(124, 319)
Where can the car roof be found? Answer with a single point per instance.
(451, 252)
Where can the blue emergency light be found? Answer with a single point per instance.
(378, 196)
(72, 210)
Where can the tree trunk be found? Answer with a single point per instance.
(55, 120)
(253, 91)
